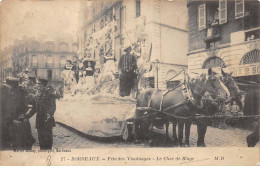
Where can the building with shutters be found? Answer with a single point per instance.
(155, 29)
(225, 33)
(47, 59)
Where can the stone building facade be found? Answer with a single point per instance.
(154, 28)
(47, 59)
(225, 34)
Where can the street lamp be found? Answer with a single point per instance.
(156, 65)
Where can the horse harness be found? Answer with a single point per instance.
(187, 94)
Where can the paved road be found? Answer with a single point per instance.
(66, 138)
(215, 137)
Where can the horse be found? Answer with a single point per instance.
(184, 101)
(251, 105)
(235, 94)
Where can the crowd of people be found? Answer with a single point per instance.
(18, 105)
(81, 75)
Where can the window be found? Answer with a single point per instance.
(222, 11)
(202, 16)
(34, 61)
(62, 61)
(49, 75)
(239, 8)
(138, 8)
(49, 61)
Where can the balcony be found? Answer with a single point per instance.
(213, 33)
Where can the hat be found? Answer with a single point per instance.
(12, 80)
(43, 82)
(128, 48)
(68, 67)
(69, 61)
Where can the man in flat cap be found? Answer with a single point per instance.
(127, 66)
(45, 107)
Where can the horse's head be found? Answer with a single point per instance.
(216, 88)
(235, 93)
(231, 85)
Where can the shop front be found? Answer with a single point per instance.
(247, 76)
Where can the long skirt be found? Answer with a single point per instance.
(126, 83)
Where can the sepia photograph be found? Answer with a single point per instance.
(129, 82)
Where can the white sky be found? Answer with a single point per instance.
(41, 19)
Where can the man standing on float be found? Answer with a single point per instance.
(127, 67)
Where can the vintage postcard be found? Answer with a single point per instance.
(129, 82)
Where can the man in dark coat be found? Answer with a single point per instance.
(45, 107)
(127, 66)
(15, 132)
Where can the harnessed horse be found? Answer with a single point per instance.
(183, 102)
(235, 94)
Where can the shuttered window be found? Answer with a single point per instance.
(34, 61)
(49, 61)
(62, 61)
(202, 16)
(222, 11)
(239, 8)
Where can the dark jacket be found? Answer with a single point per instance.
(14, 131)
(45, 107)
(127, 63)
(12, 102)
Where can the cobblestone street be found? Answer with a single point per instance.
(65, 138)
(69, 132)
(229, 137)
